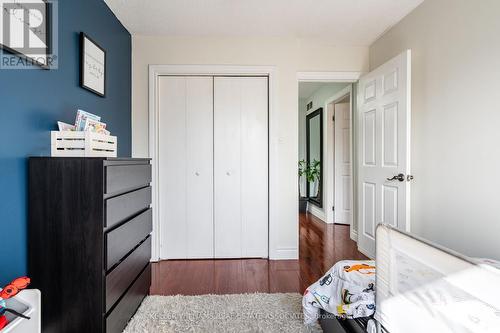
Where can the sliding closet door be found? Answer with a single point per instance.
(186, 166)
(241, 166)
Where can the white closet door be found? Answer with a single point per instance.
(172, 161)
(227, 162)
(254, 167)
(185, 159)
(241, 167)
(199, 124)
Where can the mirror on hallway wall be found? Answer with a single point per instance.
(314, 147)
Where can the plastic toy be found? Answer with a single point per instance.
(3, 322)
(9, 291)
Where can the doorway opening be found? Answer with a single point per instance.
(326, 151)
(380, 150)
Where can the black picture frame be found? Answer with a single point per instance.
(83, 38)
(318, 201)
(48, 30)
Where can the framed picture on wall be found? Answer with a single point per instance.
(92, 66)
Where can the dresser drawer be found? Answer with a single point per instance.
(125, 309)
(124, 206)
(124, 238)
(122, 276)
(120, 178)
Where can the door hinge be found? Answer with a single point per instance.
(333, 208)
(333, 118)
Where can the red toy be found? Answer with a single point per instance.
(14, 287)
(3, 322)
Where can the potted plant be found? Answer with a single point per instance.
(313, 174)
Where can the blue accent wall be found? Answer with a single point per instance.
(31, 101)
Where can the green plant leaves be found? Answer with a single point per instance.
(312, 171)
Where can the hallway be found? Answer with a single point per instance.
(320, 246)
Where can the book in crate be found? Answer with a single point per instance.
(82, 144)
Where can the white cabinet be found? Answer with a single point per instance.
(213, 167)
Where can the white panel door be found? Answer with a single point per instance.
(241, 167)
(384, 149)
(343, 173)
(185, 158)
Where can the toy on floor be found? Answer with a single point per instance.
(9, 291)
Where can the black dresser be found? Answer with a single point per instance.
(89, 240)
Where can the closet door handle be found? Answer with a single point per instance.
(196, 173)
(228, 173)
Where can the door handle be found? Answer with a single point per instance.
(197, 173)
(400, 177)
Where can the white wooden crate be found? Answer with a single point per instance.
(82, 144)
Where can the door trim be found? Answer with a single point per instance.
(155, 71)
(331, 144)
(347, 77)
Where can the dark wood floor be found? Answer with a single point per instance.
(320, 246)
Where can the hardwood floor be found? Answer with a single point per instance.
(320, 246)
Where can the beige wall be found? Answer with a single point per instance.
(455, 120)
(289, 57)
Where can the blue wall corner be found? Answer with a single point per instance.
(31, 101)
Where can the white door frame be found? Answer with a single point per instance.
(347, 77)
(330, 153)
(156, 71)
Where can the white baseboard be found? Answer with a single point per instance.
(318, 212)
(285, 253)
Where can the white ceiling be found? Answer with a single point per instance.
(340, 22)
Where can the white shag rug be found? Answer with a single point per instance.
(220, 313)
